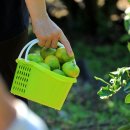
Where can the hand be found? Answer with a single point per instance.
(49, 34)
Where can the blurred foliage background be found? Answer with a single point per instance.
(95, 29)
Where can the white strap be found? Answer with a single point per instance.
(35, 41)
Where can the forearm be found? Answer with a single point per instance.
(44, 28)
(37, 9)
(7, 112)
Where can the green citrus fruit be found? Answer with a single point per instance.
(58, 71)
(62, 55)
(71, 69)
(52, 61)
(35, 57)
(45, 65)
(47, 51)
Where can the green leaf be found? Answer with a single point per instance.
(111, 75)
(100, 79)
(105, 92)
(116, 88)
(120, 71)
(127, 99)
(127, 87)
(115, 72)
(128, 46)
(125, 127)
(128, 0)
(127, 23)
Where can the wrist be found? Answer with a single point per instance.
(41, 17)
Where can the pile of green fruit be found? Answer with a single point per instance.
(56, 60)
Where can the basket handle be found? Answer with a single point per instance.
(29, 45)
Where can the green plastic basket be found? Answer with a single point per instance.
(38, 84)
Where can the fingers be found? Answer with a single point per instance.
(42, 42)
(48, 43)
(51, 42)
(55, 41)
(67, 45)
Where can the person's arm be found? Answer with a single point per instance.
(44, 28)
(7, 111)
(15, 115)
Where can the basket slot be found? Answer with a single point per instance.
(21, 78)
